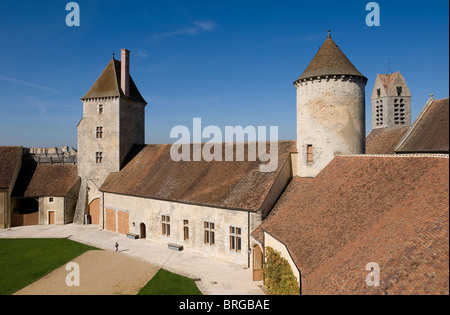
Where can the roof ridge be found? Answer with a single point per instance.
(396, 155)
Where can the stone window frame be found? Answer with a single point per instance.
(186, 229)
(210, 233)
(165, 225)
(310, 154)
(98, 157)
(235, 239)
(99, 132)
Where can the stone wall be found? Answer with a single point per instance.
(150, 212)
(46, 206)
(331, 119)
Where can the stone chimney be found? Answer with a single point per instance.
(125, 72)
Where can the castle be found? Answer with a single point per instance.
(336, 202)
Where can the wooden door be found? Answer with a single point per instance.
(143, 231)
(123, 222)
(94, 211)
(51, 217)
(258, 259)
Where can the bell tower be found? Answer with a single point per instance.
(391, 102)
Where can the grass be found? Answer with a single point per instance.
(168, 283)
(23, 261)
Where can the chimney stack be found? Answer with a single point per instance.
(125, 72)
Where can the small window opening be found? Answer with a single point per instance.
(310, 154)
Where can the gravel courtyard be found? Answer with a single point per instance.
(102, 272)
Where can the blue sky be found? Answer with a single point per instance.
(227, 62)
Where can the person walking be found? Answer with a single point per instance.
(117, 247)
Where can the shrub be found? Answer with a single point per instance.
(278, 276)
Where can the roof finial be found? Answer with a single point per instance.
(329, 34)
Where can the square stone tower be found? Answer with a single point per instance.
(113, 122)
(391, 102)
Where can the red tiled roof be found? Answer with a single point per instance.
(430, 132)
(387, 79)
(46, 180)
(233, 185)
(384, 140)
(393, 211)
(9, 157)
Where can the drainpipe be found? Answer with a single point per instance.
(249, 251)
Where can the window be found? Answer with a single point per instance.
(210, 236)
(100, 109)
(165, 225)
(235, 239)
(399, 112)
(379, 92)
(99, 132)
(310, 154)
(186, 229)
(379, 114)
(50, 199)
(99, 157)
(399, 90)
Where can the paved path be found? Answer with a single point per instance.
(217, 277)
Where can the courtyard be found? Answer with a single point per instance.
(137, 261)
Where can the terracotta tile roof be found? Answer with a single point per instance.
(384, 140)
(430, 132)
(330, 60)
(46, 180)
(393, 211)
(387, 79)
(108, 84)
(233, 185)
(9, 157)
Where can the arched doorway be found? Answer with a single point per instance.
(94, 211)
(258, 259)
(143, 231)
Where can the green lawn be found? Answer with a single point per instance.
(167, 283)
(23, 261)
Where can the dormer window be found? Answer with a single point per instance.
(100, 109)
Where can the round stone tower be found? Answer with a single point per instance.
(330, 110)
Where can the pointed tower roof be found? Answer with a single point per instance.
(330, 60)
(387, 79)
(108, 85)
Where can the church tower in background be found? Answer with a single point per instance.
(391, 102)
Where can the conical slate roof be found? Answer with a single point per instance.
(330, 60)
(108, 84)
